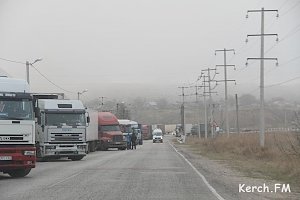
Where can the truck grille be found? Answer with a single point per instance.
(66, 137)
(117, 138)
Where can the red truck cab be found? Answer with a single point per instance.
(109, 132)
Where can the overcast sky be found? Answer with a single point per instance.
(118, 48)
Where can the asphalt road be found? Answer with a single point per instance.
(152, 171)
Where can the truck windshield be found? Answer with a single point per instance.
(16, 109)
(56, 119)
(157, 133)
(110, 128)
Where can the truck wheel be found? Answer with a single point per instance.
(42, 159)
(103, 146)
(19, 172)
(76, 158)
(93, 147)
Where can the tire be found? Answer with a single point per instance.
(103, 146)
(17, 173)
(42, 159)
(76, 158)
(161, 141)
(92, 147)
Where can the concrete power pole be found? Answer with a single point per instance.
(205, 105)
(237, 114)
(27, 72)
(262, 59)
(211, 111)
(226, 88)
(183, 112)
(102, 102)
(197, 108)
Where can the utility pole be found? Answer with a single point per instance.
(27, 68)
(205, 106)
(102, 102)
(210, 97)
(197, 108)
(262, 59)
(237, 114)
(226, 88)
(27, 72)
(182, 111)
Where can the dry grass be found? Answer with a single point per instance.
(279, 160)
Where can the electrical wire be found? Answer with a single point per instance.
(51, 81)
(281, 83)
(12, 61)
(289, 10)
(18, 62)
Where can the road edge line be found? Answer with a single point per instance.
(211, 188)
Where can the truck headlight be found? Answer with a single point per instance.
(81, 147)
(29, 153)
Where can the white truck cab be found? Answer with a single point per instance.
(17, 141)
(60, 129)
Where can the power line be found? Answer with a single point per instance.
(277, 84)
(50, 80)
(289, 10)
(12, 61)
(23, 63)
(289, 34)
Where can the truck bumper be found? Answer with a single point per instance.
(117, 145)
(14, 158)
(157, 140)
(64, 150)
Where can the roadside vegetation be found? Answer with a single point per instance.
(279, 160)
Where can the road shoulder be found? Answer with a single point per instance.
(228, 181)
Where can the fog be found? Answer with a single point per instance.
(121, 49)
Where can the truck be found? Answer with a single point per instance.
(60, 128)
(162, 128)
(146, 132)
(17, 141)
(127, 126)
(104, 132)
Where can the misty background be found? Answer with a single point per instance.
(137, 48)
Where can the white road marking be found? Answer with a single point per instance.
(213, 190)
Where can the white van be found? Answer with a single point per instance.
(157, 135)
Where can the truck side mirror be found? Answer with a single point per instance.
(88, 119)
